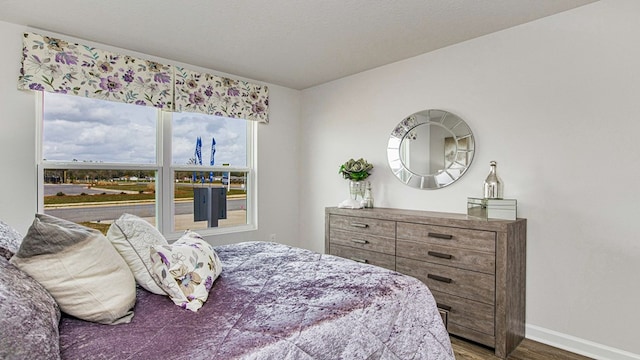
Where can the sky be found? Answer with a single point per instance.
(103, 131)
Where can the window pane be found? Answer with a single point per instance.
(96, 197)
(229, 136)
(206, 199)
(108, 147)
(90, 130)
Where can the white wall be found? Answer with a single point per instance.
(17, 136)
(277, 145)
(556, 103)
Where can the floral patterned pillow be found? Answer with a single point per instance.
(9, 241)
(186, 270)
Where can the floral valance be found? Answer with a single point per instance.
(216, 95)
(55, 65)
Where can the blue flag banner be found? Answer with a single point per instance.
(199, 151)
(197, 156)
(213, 150)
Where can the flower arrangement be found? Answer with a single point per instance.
(356, 170)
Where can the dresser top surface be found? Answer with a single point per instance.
(427, 217)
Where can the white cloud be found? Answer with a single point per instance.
(103, 131)
(230, 136)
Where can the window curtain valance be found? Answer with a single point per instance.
(216, 95)
(54, 65)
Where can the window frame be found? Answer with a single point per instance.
(165, 169)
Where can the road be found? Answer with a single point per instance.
(76, 189)
(112, 212)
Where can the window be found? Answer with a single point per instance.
(179, 171)
(210, 152)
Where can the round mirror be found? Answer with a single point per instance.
(430, 149)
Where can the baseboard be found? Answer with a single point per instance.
(577, 345)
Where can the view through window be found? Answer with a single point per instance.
(203, 192)
(101, 159)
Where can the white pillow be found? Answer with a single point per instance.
(80, 269)
(133, 237)
(186, 270)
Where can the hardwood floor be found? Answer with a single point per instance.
(528, 350)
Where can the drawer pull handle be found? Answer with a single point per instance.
(439, 255)
(439, 278)
(358, 241)
(440, 236)
(364, 261)
(444, 307)
(360, 225)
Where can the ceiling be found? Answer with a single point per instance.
(293, 43)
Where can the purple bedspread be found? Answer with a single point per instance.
(277, 302)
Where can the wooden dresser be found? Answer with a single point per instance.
(475, 268)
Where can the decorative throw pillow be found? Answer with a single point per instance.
(186, 269)
(29, 317)
(80, 269)
(133, 238)
(9, 241)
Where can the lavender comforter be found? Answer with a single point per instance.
(277, 302)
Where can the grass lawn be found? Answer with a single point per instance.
(103, 228)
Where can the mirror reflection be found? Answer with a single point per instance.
(430, 149)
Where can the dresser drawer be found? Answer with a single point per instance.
(467, 313)
(364, 256)
(463, 283)
(362, 241)
(363, 225)
(479, 240)
(446, 255)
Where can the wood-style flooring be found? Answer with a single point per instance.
(528, 350)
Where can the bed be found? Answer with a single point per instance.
(271, 301)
